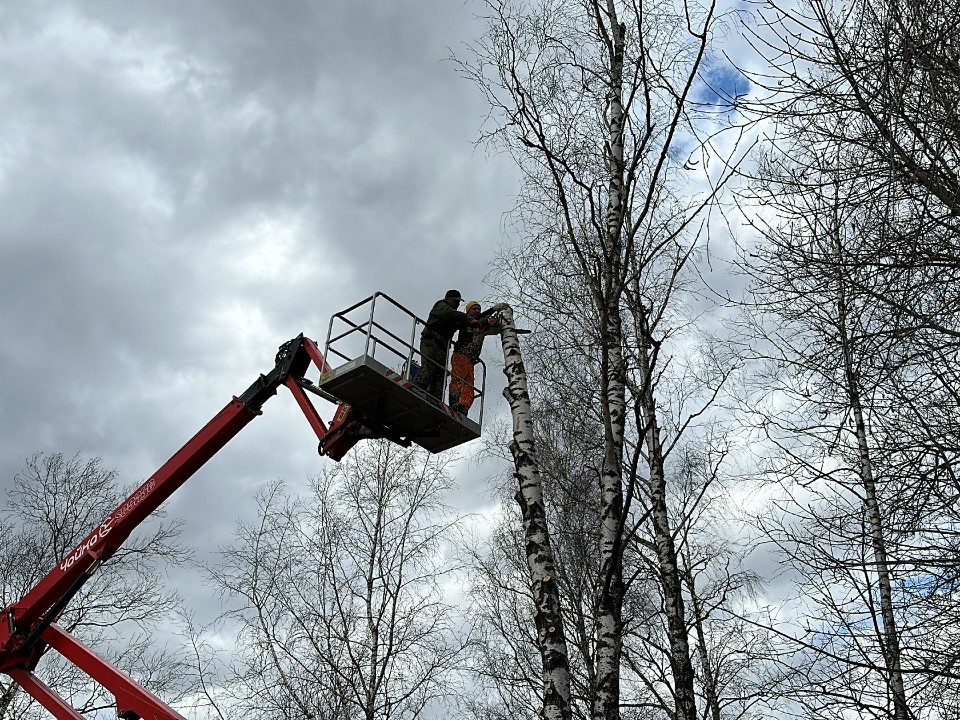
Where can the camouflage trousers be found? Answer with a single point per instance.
(433, 365)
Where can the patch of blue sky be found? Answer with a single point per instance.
(720, 85)
(928, 584)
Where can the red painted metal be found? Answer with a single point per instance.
(112, 532)
(130, 696)
(42, 693)
(314, 352)
(344, 433)
(313, 417)
(27, 629)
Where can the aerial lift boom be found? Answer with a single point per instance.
(373, 399)
(28, 628)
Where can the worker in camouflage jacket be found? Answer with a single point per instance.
(444, 320)
(466, 354)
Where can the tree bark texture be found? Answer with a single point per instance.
(540, 561)
(609, 614)
(609, 628)
(890, 641)
(710, 695)
(666, 550)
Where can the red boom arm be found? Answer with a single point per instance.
(27, 628)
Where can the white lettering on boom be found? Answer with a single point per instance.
(107, 525)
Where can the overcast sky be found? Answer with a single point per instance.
(186, 185)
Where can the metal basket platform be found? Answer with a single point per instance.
(388, 396)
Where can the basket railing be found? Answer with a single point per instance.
(375, 325)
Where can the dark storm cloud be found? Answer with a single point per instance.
(185, 185)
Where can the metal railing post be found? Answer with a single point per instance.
(326, 345)
(413, 338)
(373, 306)
(447, 374)
(483, 389)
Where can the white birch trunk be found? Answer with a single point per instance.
(680, 664)
(529, 496)
(609, 621)
(710, 695)
(891, 633)
(890, 642)
(6, 698)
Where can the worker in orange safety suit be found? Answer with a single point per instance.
(466, 354)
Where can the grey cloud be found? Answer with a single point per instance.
(185, 185)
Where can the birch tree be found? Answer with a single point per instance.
(593, 100)
(731, 656)
(544, 591)
(507, 656)
(337, 594)
(839, 363)
(863, 97)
